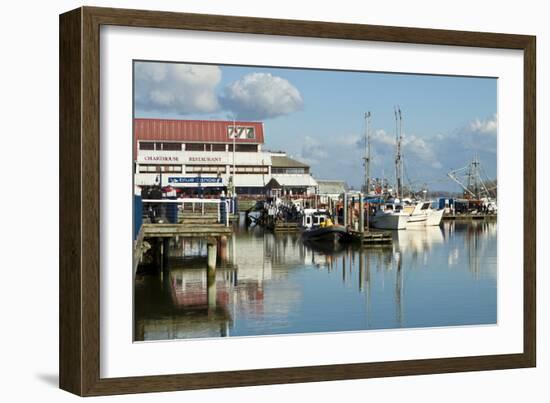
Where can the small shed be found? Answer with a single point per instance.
(330, 189)
(289, 185)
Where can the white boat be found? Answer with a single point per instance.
(424, 215)
(389, 216)
(434, 217)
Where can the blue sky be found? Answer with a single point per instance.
(317, 115)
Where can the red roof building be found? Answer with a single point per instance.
(197, 131)
(192, 154)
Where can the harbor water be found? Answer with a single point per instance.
(274, 284)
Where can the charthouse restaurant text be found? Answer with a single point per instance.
(214, 157)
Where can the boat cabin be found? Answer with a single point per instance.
(391, 207)
(313, 218)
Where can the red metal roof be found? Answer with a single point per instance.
(199, 131)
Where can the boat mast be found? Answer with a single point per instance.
(475, 186)
(398, 156)
(366, 182)
(401, 164)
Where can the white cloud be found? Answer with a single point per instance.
(427, 158)
(413, 148)
(484, 126)
(421, 149)
(260, 96)
(349, 140)
(312, 151)
(180, 88)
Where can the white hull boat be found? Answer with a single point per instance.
(434, 218)
(424, 215)
(394, 221)
(389, 216)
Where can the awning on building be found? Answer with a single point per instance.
(291, 181)
(251, 180)
(282, 161)
(328, 187)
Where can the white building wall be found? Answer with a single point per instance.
(213, 159)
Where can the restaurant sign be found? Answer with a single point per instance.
(160, 158)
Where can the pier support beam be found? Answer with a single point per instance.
(222, 245)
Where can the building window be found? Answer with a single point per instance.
(153, 168)
(258, 170)
(289, 170)
(218, 147)
(194, 147)
(205, 169)
(171, 146)
(241, 132)
(146, 145)
(246, 148)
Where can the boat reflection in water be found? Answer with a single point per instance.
(277, 284)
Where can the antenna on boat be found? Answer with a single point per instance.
(366, 183)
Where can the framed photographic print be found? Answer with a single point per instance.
(249, 201)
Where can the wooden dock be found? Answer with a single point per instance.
(214, 234)
(371, 237)
(189, 230)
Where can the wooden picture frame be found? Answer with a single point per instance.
(80, 198)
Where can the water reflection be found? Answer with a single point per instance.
(275, 284)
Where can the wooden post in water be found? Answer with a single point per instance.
(361, 214)
(224, 255)
(211, 273)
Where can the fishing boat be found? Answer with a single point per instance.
(389, 216)
(434, 217)
(317, 226)
(424, 215)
